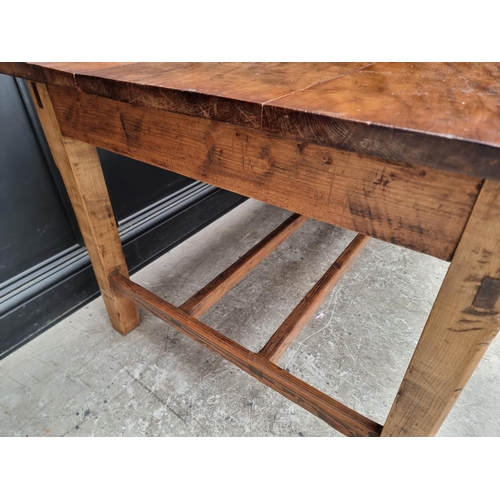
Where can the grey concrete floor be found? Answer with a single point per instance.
(81, 378)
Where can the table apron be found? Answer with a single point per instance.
(417, 207)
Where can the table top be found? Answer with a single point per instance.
(444, 115)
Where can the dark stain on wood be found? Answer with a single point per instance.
(488, 295)
(122, 121)
(37, 95)
(255, 371)
(382, 181)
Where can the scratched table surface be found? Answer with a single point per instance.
(443, 115)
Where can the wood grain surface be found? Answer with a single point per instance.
(229, 92)
(444, 115)
(449, 99)
(463, 322)
(54, 73)
(416, 207)
(440, 115)
(81, 172)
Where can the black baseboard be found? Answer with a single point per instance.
(52, 291)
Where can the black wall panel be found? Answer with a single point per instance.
(33, 223)
(45, 272)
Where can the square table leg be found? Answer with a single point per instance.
(81, 172)
(463, 322)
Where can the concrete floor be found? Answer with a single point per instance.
(81, 378)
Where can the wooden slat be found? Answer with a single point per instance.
(54, 73)
(454, 100)
(81, 172)
(203, 300)
(335, 414)
(463, 322)
(292, 326)
(419, 208)
(229, 92)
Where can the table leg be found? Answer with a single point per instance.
(82, 174)
(463, 322)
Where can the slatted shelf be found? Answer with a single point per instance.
(335, 414)
(262, 365)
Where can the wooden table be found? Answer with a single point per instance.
(406, 153)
